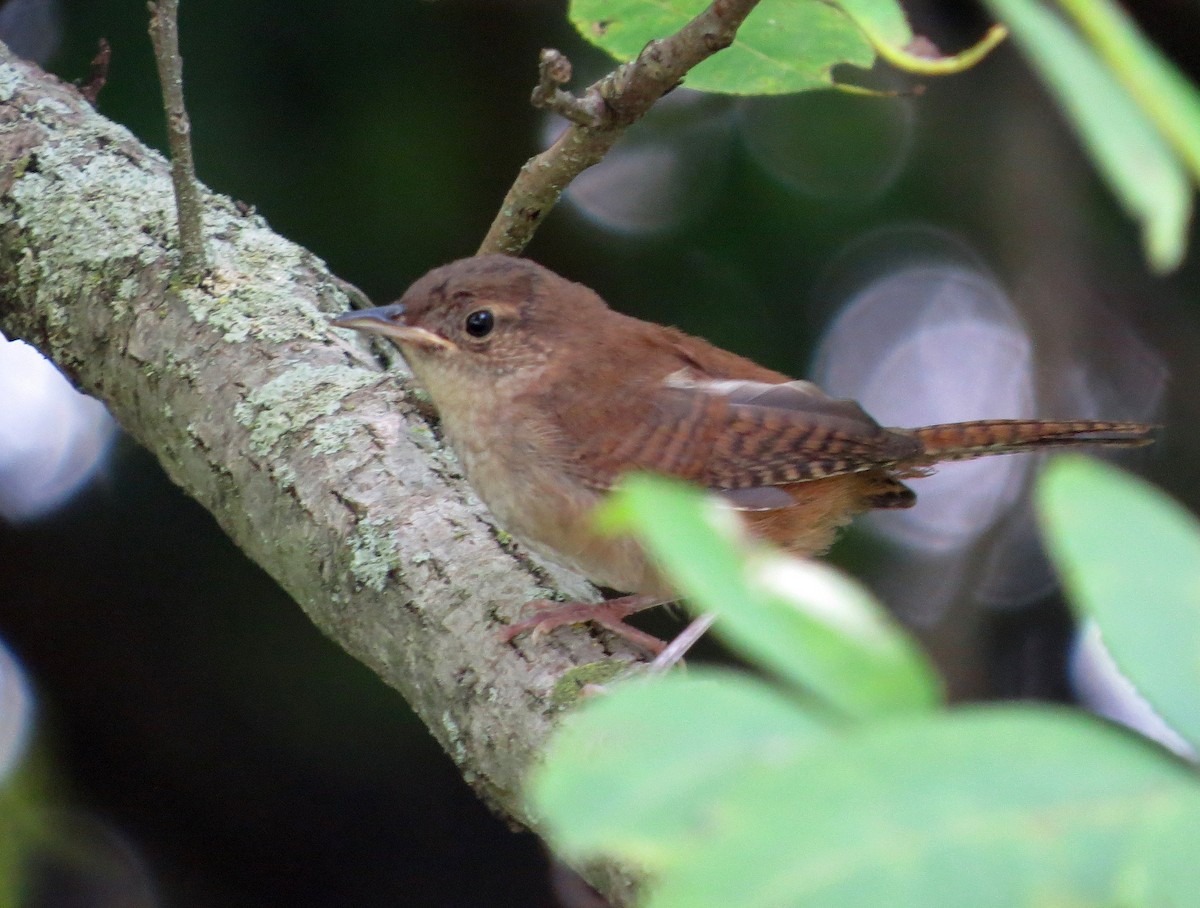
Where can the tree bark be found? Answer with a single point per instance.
(312, 456)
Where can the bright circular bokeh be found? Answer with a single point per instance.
(16, 713)
(52, 438)
(935, 343)
(829, 146)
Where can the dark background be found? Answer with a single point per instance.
(206, 745)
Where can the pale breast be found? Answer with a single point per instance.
(545, 509)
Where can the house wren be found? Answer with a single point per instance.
(548, 396)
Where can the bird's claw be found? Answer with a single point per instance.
(610, 615)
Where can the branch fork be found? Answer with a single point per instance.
(554, 71)
(601, 115)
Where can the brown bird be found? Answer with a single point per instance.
(548, 396)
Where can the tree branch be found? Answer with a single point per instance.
(601, 116)
(164, 34)
(314, 460)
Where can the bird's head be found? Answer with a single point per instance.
(480, 319)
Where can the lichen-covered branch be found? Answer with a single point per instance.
(164, 34)
(312, 458)
(601, 115)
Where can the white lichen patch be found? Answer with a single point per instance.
(127, 290)
(422, 436)
(92, 195)
(186, 369)
(51, 106)
(373, 553)
(252, 291)
(445, 460)
(454, 738)
(284, 476)
(296, 399)
(331, 435)
(10, 81)
(420, 395)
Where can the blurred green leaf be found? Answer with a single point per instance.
(636, 773)
(12, 852)
(830, 634)
(1126, 146)
(1159, 87)
(1161, 864)
(800, 619)
(994, 806)
(24, 827)
(1130, 558)
(784, 45)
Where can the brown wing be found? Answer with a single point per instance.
(738, 435)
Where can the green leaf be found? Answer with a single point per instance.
(1130, 558)
(784, 45)
(885, 26)
(1125, 145)
(883, 19)
(827, 632)
(800, 619)
(995, 806)
(635, 773)
(1159, 87)
(1161, 864)
(697, 541)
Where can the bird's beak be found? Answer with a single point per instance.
(390, 322)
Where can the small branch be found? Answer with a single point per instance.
(601, 116)
(554, 71)
(97, 73)
(164, 34)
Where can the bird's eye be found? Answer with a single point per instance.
(480, 323)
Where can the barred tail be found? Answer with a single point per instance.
(968, 440)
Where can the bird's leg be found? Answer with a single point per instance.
(610, 614)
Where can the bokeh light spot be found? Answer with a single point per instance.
(827, 145)
(32, 29)
(16, 713)
(934, 343)
(52, 438)
(663, 173)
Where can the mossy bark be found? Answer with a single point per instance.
(311, 455)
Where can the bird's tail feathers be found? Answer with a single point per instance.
(968, 440)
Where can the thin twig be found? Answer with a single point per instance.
(599, 118)
(164, 34)
(683, 642)
(554, 71)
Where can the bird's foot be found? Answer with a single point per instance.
(610, 615)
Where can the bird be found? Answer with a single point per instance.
(548, 397)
